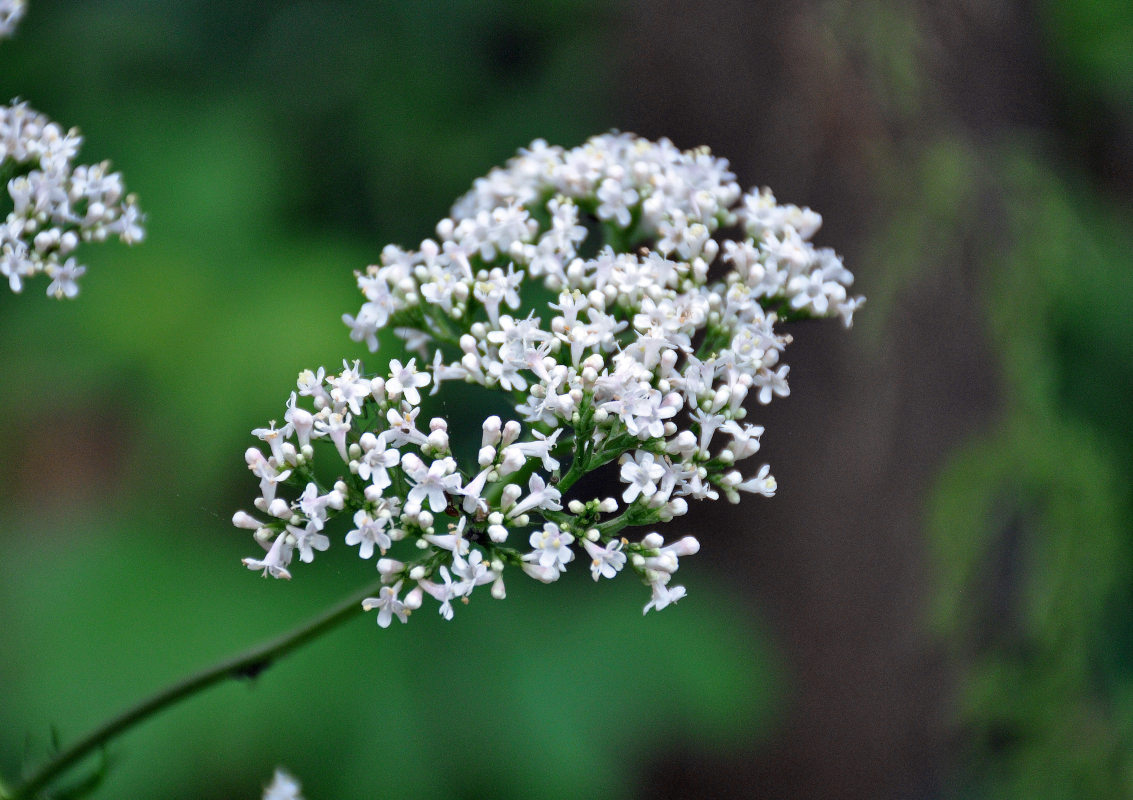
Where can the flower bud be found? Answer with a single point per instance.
(540, 573)
(511, 432)
(242, 519)
(513, 459)
(438, 440)
(491, 428)
(389, 566)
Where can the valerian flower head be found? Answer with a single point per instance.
(663, 288)
(54, 204)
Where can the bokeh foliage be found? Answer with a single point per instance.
(1033, 518)
(276, 148)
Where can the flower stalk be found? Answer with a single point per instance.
(247, 665)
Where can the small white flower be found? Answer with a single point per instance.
(307, 541)
(607, 561)
(405, 381)
(540, 496)
(540, 448)
(641, 472)
(403, 427)
(388, 605)
(430, 483)
(453, 541)
(772, 383)
(473, 572)
(443, 592)
(368, 533)
(63, 279)
(270, 477)
(335, 426)
(616, 200)
(282, 787)
(300, 421)
(551, 547)
(377, 459)
(663, 596)
(315, 506)
(365, 326)
(349, 389)
(763, 483)
(745, 439)
(275, 562)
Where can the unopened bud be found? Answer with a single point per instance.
(242, 519)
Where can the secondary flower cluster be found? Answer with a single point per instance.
(633, 353)
(55, 204)
(11, 11)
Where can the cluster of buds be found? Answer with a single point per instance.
(653, 332)
(55, 204)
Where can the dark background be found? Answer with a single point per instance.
(936, 604)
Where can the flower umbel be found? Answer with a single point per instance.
(642, 358)
(55, 205)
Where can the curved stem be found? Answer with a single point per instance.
(247, 664)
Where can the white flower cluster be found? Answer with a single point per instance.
(639, 356)
(11, 11)
(55, 204)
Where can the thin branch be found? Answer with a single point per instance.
(247, 664)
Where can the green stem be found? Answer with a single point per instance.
(635, 515)
(248, 664)
(579, 465)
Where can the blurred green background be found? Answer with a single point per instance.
(936, 604)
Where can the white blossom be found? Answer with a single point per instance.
(369, 532)
(55, 205)
(641, 472)
(406, 381)
(551, 547)
(658, 332)
(282, 787)
(388, 605)
(663, 596)
(275, 562)
(431, 482)
(605, 562)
